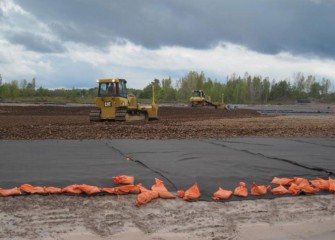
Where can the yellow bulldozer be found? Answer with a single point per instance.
(200, 99)
(114, 103)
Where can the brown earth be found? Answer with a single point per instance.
(54, 122)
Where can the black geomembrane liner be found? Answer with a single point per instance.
(179, 163)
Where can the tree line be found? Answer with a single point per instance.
(27, 91)
(237, 89)
(244, 89)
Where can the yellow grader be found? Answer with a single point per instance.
(200, 99)
(114, 103)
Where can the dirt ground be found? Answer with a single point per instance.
(111, 217)
(51, 122)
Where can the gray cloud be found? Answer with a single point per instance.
(35, 42)
(267, 26)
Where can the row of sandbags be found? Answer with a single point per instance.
(293, 186)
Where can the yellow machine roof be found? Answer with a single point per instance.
(108, 80)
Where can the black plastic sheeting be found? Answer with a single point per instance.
(179, 163)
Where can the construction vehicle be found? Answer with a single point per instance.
(200, 99)
(114, 103)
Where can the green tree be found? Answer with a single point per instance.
(325, 85)
(310, 80)
(315, 90)
(167, 92)
(265, 90)
(299, 86)
(257, 88)
(14, 89)
(280, 90)
(5, 91)
(236, 90)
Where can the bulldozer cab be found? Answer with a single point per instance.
(112, 88)
(198, 93)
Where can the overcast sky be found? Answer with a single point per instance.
(71, 43)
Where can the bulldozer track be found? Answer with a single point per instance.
(120, 114)
(95, 115)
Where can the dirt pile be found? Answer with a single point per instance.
(54, 122)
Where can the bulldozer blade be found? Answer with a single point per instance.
(137, 117)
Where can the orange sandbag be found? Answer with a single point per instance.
(306, 188)
(299, 181)
(222, 194)
(192, 193)
(88, 189)
(108, 190)
(331, 184)
(294, 189)
(126, 189)
(123, 179)
(320, 184)
(304, 185)
(27, 188)
(281, 181)
(259, 190)
(9, 192)
(72, 189)
(145, 197)
(241, 190)
(52, 190)
(279, 190)
(302, 182)
(130, 188)
(159, 186)
(161, 189)
(180, 193)
(166, 195)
